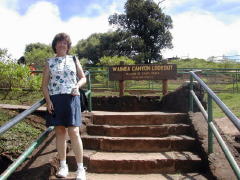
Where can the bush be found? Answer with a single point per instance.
(115, 60)
(111, 61)
(202, 63)
(38, 56)
(14, 77)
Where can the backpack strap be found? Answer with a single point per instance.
(74, 58)
(83, 98)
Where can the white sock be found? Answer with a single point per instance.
(80, 165)
(63, 163)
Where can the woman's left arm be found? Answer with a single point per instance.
(80, 75)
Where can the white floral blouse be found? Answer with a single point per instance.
(62, 75)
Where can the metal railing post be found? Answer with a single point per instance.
(190, 95)
(212, 130)
(90, 94)
(210, 118)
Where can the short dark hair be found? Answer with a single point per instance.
(60, 37)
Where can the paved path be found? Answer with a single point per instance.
(20, 107)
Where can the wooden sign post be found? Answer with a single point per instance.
(164, 86)
(143, 72)
(121, 84)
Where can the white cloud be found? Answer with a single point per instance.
(170, 4)
(201, 35)
(228, 1)
(195, 34)
(80, 28)
(94, 7)
(40, 23)
(9, 3)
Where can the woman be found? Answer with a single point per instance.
(60, 89)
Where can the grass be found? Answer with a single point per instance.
(19, 137)
(105, 93)
(231, 101)
(21, 97)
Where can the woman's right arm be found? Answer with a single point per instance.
(45, 81)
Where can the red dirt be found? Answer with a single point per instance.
(218, 164)
(217, 161)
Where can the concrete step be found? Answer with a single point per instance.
(163, 162)
(95, 176)
(71, 161)
(100, 176)
(137, 118)
(139, 130)
(138, 163)
(139, 144)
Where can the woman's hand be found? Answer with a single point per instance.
(45, 81)
(75, 91)
(50, 107)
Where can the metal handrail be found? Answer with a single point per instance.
(89, 91)
(212, 130)
(21, 116)
(224, 108)
(41, 138)
(25, 154)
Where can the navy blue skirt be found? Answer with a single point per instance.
(67, 111)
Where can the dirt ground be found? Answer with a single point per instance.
(219, 165)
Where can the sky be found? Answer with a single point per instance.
(201, 28)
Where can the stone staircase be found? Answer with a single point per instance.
(138, 145)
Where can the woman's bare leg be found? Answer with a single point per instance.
(76, 143)
(61, 135)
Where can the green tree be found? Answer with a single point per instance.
(89, 48)
(37, 53)
(120, 43)
(116, 43)
(5, 57)
(115, 60)
(30, 47)
(145, 21)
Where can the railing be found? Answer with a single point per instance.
(89, 91)
(42, 137)
(212, 75)
(212, 130)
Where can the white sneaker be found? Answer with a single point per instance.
(81, 174)
(62, 172)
